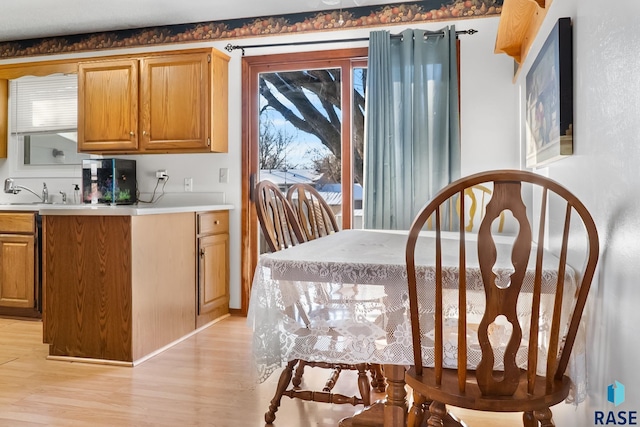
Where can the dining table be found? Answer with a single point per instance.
(343, 298)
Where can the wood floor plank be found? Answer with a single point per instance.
(202, 381)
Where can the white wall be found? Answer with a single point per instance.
(488, 122)
(489, 110)
(603, 173)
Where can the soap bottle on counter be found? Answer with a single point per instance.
(76, 194)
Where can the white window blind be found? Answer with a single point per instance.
(44, 104)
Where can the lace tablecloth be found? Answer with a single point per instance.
(343, 298)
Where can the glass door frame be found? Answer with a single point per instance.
(252, 66)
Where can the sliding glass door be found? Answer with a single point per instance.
(303, 121)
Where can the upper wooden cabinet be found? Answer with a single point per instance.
(520, 21)
(108, 105)
(174, 102)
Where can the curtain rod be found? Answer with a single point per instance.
(230, 47)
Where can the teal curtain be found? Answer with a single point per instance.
(412, 136)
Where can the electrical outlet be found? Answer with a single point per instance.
(162, 174)
(188, 184)
(224, 176)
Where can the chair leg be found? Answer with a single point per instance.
(416, 412)
(377, 378)
(545, 417)
(283, 382)
(438, 412)
(528, 420)
(363, 384)
(333, 379)
(297, 378)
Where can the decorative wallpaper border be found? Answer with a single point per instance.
(366, 16)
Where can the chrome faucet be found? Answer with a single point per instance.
(11, 188)
(45, 193)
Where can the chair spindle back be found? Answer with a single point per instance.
(314, 214)
(526, 195)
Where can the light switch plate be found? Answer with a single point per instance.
(224, 175)
(188, 184)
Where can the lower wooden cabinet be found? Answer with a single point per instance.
(121, 288)
(212, 266)
(17, 272)
(117, 288)
(18, 264)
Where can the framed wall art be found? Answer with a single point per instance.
(549, 99)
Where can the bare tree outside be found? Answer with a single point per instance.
(357, 125)
(326, 163)
(275, 146)
(310, 101)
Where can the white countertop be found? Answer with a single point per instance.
(170, 203)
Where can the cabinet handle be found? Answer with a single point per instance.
(132, 133)
(202, 253)
(216, 222)
(144, 132)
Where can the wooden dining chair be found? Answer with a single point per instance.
(281, 230)
(313, 212)
(498, 365)
(317, 220)
(477, 196)
(278, 221)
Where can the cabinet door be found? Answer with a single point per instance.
(174, 111)
(17, 271)
(219, 102)
(213, 272)
(108, 106)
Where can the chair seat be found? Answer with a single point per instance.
(473, 399)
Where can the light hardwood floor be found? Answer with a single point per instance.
(202, 381)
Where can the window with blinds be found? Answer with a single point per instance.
(45, 104)
(44, 113)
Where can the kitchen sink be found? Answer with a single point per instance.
(25, 203)
(19, 203)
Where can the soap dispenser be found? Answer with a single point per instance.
(76, 194)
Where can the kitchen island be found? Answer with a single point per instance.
(122, 283)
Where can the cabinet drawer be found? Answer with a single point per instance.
(213, 222)
(17, 222)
